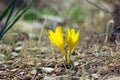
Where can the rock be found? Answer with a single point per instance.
(47, 69)
(28, 27)
(97, 76)
(76, 63)
(14, 54)
(34, 71)
(114, 78)
(52, 21)
(18, 48)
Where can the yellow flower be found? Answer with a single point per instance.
(72, 38)
(57, 38)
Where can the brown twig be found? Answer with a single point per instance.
(98, 7)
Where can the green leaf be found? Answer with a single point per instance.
(3, 14)
(10, 25)
(8, 18)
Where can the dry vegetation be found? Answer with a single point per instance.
(29, 55)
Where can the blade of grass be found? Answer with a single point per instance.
(41, 32)
(16, 19)
(8, 18)
(3, 14)
(19, 15)
(18, 12)
(20, 8)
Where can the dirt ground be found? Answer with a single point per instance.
(27, 54)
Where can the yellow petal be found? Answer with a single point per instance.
(77, 36)
(72, 38)
(52, 37)
(57, 37)
(73, 33)
(68, 36)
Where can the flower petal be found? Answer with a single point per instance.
(72, 38)
(59, 35)
(67, 36)
(77, 35)
(57, 38)
(52, 37)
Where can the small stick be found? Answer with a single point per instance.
(98, 7)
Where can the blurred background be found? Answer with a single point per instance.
(26, 47)
(68, 13)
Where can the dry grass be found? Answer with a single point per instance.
(38, 59)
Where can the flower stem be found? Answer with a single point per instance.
(64, 54)
(69, 61)
(67, 56)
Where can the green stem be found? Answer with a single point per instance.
(69, 61)
(67, 56)
(64, 55)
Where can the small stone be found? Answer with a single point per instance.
(76, 63)
(34, 71)
(114, 78)
(14, 54)
(96, 75)
(18, 48)
(47, 69)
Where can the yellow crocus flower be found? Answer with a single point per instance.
(72, 38)
(57, 38)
